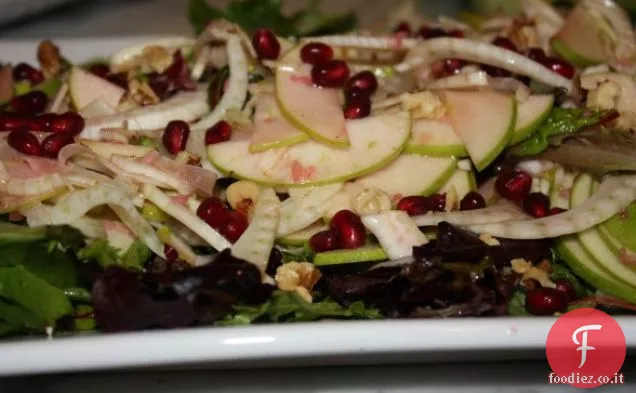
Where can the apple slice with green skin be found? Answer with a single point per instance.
(271, 129)
(581, 39)
(483, 120)
(462, 182)
(593, 242)
(431, 173)
(84, 88)
(314, 110)
(300, 238)
(530, 115)
(623, 226)
(561, 188)
(342, 257)
(435, 138)
(375, 143)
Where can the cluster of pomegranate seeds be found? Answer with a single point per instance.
(331, 73)
(170, 253)
(230, 224)
(416, 205)
(24, 72)
(555, 64)
(176, 136)
(536, 54)
(324, 241)
(546, 301)
(220, 132)
(472, 201)
(68, 122)
(514, 186)
(10, 122)
(24, 142)
(175, 78)
(537, 205)
(358, 91)
(316, 52)
(266, 44)
(31, 103)
(52, 144)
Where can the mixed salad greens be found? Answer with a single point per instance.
(285, 168)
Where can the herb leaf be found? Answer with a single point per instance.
(517, 303)
(106, 255)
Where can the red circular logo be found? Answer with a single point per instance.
(586, 348)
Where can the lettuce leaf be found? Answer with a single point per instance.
(289, 307)
(562, 272)
(517, 303)
(561, 122)
(106, 255)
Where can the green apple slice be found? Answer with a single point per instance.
(84, 88)
(300, 238)
(314, 110)
(375, 142)
(271, 129)
(581, 39)
(593, 242)
(358, 255)
(435, 138)
(623, 227)
(483, 120)
(561, 189)
(462, 182)
(530, 115)
(431, 174)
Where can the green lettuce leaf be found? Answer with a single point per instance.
(106, 255)
(289, 307)
(561, 123)
(562, 272)
(517, 303)
(254, 14)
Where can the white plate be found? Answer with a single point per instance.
(320, 343)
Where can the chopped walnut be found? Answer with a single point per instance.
(49, 57)
(141, 93)
(425, 105)
(489, 240)
(371, 201)
(153, 58)
(299, 277)
(529, 272)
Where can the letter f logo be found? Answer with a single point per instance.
(583, 344)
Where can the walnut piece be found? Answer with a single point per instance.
(50, 59)
(299, 277)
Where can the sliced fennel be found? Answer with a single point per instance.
(298, 213)
(494, 214)
(256, 243)
(32, 186)
(396, 232)
(614, 195)
(171, 43)
(186, 217)
(233, 98)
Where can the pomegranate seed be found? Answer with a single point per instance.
(536, 54)
(24, 72)
(175, 136)
(170, 253)
(545, 301)
(428, 33)
(514, 186)
(324, 241)
(402, 29)
(316, 52)
(331, 73)
(46, 120)
(30, 103)
(472, 201)
(52, 144)
(24, 142)
(560, 66)
(357, 108)
(556, 210)
(69, 122)
(349, 229)
(452, 66)
(11, 122)
(565, 286)
(101, 70)
(537, 205)
(213, 211)
(234, 226)
(266, 44)
(364, 83)
(505, 43)
(416, 205)
(456, 33)
(495, 72)
(220, 132)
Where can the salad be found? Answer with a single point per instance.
(304, 170)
